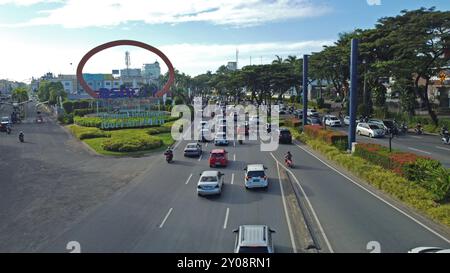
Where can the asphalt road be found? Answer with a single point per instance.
(424, 145)
(155, 207)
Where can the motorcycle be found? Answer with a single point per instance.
(288, 162)
(418, 130)
(403, 128)
(240, 141)
(8, 130)
(445, 138)
(21, 138)
(169, 157)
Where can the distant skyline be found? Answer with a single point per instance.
(40, 36)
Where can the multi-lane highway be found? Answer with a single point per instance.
(157, 209)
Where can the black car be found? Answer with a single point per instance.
(285, 136)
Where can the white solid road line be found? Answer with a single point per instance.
(309, 204)
(378, 197)
(288, 220)
(226, 218)
(165, 218)
(189, 178)
(442, 148)
(200, 157)
(420, 151)
(232, 178)
(234, 157)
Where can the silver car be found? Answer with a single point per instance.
(193, 149)
(254, 239)
(369, 129)
(210, 183)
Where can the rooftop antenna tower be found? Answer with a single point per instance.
(127, 62)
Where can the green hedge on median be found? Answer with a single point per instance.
(140, 143)
(87, 132)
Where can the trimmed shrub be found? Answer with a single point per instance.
(139, 142)
(292, 122)
(426, 172)
(88, 121)
(337, 139)
(158, 130)
(87, 132)
(68, 106)
(66, 119)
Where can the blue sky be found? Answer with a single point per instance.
(198, 35)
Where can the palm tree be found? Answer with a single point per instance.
(279, 60)
(291, 60)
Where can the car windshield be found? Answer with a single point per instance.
(374, 127)
(208, 179)
(256, 174)
(334, 118)
(192, 146)
(217, 155)
(259, 249)
(285, 133)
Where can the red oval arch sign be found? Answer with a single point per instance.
(99, 48)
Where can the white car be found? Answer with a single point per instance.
(429, 250)
(347, 120)
(210, 183)
(255, 176)
(220, 139)
(369, 129)
(312, 113)
(379, 122)
(331, 121)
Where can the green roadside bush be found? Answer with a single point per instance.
(158, 130)
(88, 121)
(87, 132)
(335, 138)
(137, 142)
(66, 118)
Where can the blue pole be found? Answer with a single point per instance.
(353, 92)
(305, 89)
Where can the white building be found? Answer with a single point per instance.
(151, 71)
(232, 66)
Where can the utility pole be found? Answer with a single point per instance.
(353, 92)
(305, 89)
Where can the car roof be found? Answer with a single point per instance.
(210, 173)
(284, 129)
(255, 167)
(253, 235)
(192, 143)
(218, 151)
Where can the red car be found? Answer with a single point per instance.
(218, 157)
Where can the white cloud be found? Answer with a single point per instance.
(86, 13)
(26, 2)
(26, 60)
(374, 2)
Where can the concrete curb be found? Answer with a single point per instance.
(302, 227)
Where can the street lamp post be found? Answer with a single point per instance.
(365, 100)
